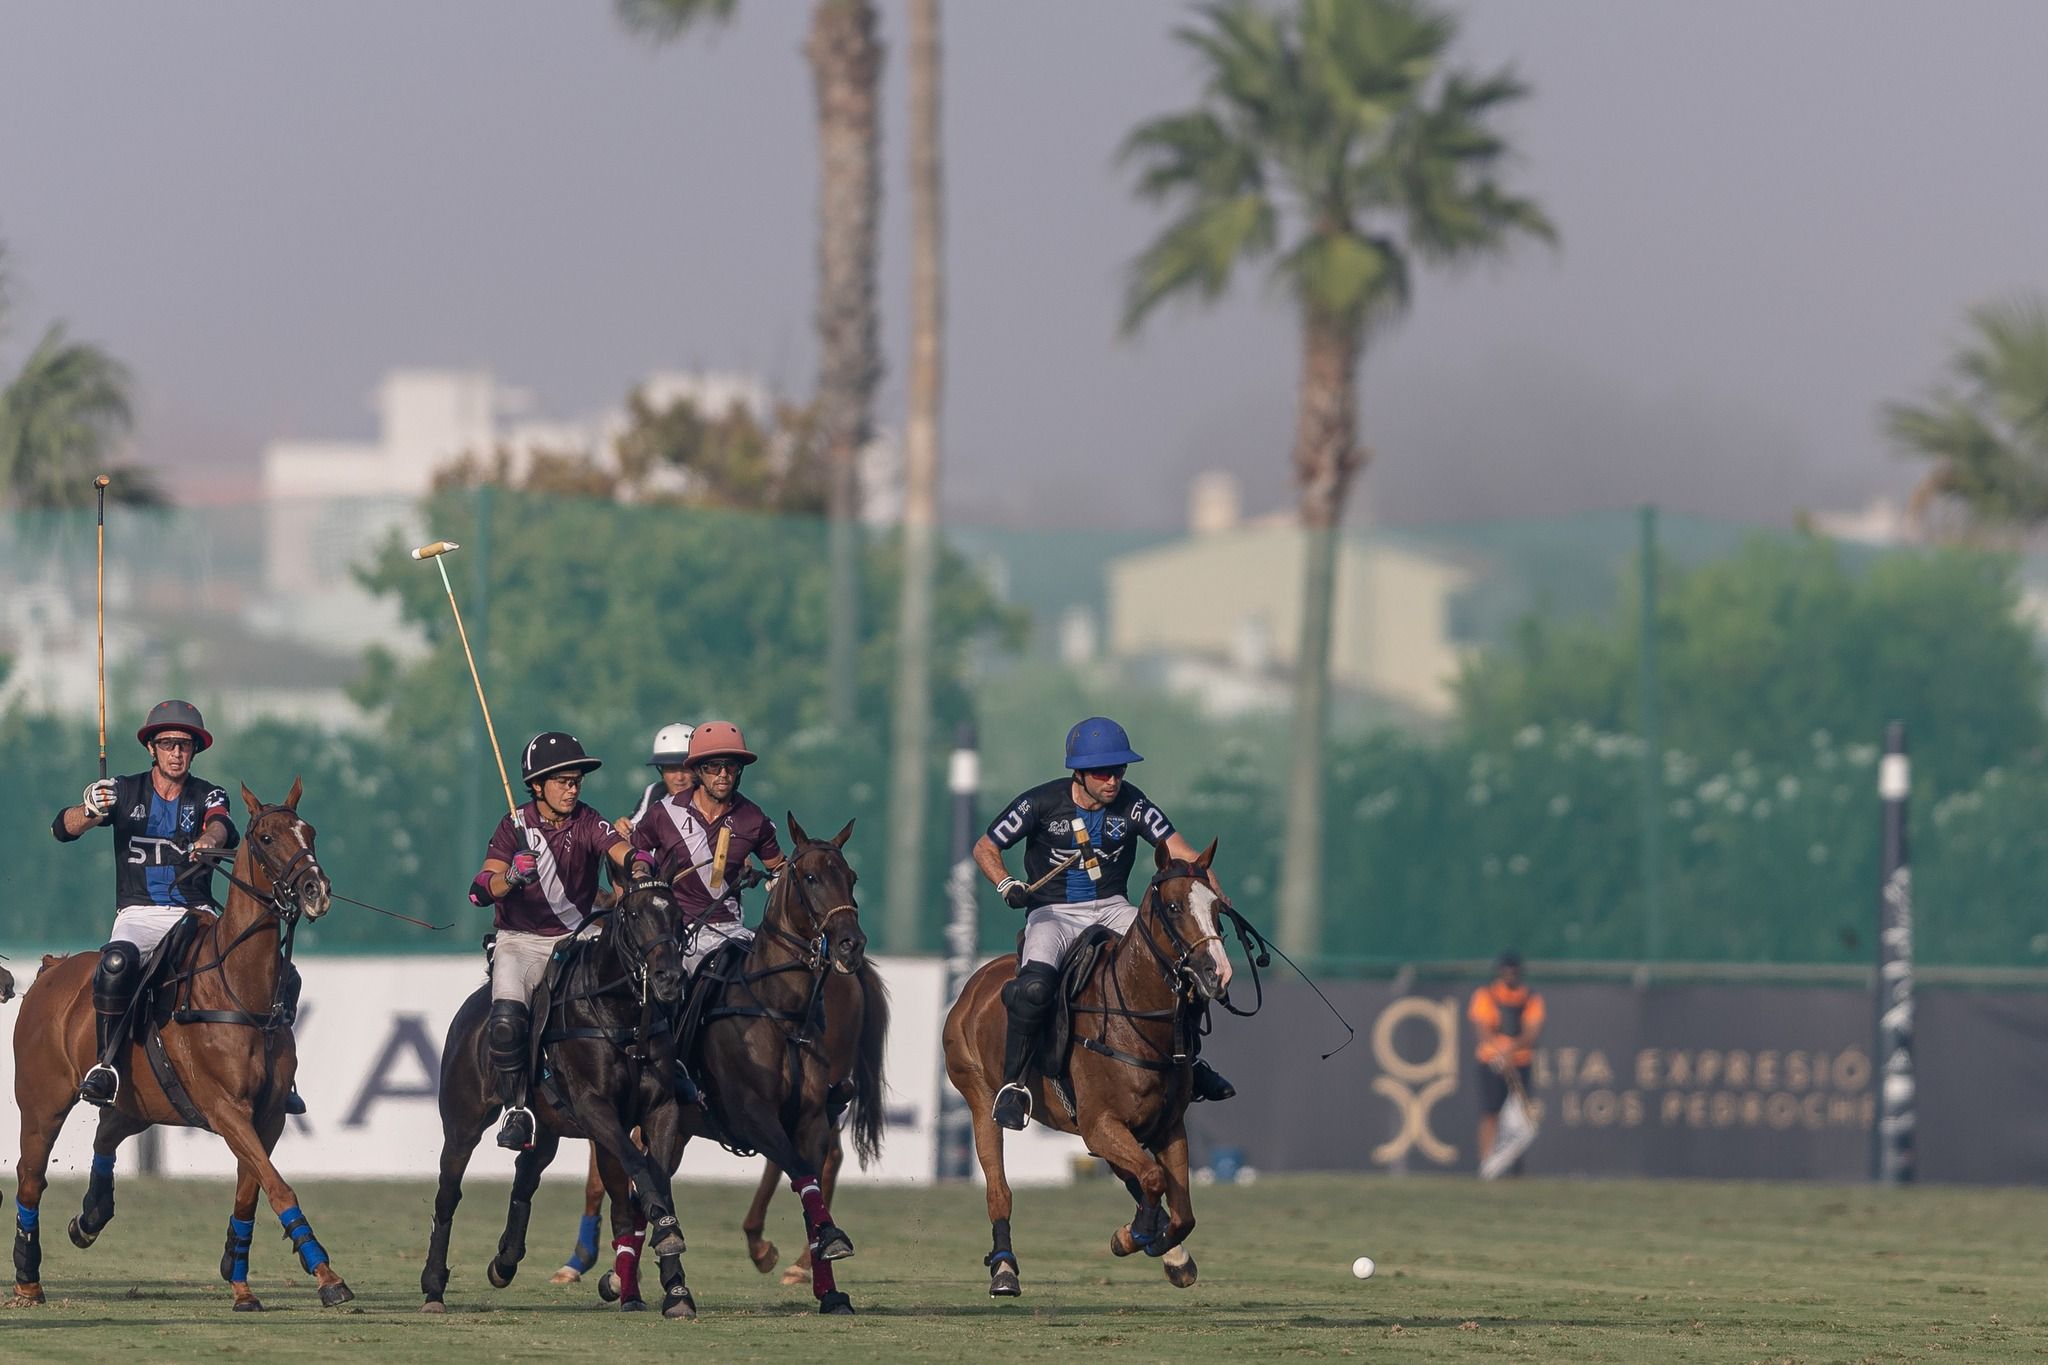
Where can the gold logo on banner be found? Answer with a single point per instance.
(1416, 1086)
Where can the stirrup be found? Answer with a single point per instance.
(89, 1093)
(516, 1133)
(294, 1103)
(1012, 1116)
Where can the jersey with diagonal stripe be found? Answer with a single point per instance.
(569, 855)
(1053, 829)
(686, 844)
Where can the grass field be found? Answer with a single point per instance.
(1530, 1270)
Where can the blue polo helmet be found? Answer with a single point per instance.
(1099, 742)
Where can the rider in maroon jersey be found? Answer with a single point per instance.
(541, 873)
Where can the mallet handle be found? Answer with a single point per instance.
(435, 551)
(99, 485)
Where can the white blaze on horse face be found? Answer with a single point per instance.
(1202, 904)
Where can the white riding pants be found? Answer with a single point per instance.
(1050, 930)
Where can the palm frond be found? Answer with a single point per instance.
(664, 21)
(1198, 253)
(60, 420)
(1353, 278)
(1194, 152)
(2008, 366)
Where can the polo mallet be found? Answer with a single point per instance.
(99, 485)
(434, 552)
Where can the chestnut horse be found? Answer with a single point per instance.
(1129, 1067)
(228, 1043)
(801, 1020)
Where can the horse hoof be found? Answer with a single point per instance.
(336, 1294)
(668, 1243)
(796, 1275)
(832, 1245)
(1121, 1243)
(252, 1304)
(80, 1238)
(1180, 1274)
(1004, 1284)
(608, 1286)
(433, 1306)
(764, 1259)
(633, 1306)
(680, 1305)
(835, 1304)
(27, 1296)
(500, 1275)
(568, 1274)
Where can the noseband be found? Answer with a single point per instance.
(1177, 968)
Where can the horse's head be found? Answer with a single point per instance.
(280, 846)
(648, 927)
(813, 898)
(1185, 903)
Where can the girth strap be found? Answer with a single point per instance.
(167, 1077)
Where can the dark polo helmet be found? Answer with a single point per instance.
(553, 751)
(176, 715)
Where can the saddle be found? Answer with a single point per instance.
(1056, 1038)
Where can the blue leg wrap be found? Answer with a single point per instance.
(103, 1165)
(240, 1231)
(311, 1254)
(26, 1218)
(585, 1254)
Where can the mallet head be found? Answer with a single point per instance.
(439, 547)
(101, 482)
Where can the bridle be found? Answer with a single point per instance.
(812, 950)
(283, 909)
(1178, 967)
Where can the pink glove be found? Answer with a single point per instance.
(525, 871)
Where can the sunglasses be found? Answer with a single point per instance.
(719, 765)
(176, 746)
(1117, 771)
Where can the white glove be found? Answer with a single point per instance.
(99, 799)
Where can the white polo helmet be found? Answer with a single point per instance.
(671, 747)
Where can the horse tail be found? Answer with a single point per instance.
(868, 1087)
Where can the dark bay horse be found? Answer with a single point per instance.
(800, 1022)
(1129, 1066)
(227, 1041)
(605, 1056)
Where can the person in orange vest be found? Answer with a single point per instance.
(1508, 1018)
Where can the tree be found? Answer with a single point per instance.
(910, 735)
(1987, 437)
(846, 68)
(1333, 140)
(61, 420)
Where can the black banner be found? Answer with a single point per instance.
(1667, 1080)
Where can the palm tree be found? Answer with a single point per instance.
(61, 419)
(1332, 140)
(910, 735)
(1987, 440)
(846, 68)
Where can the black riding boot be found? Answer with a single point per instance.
(509, 1031)
(1029, 999)
(1207, 1083)
(289, 983)
(113, 991)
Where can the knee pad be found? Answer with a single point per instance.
(289, 983)
(114, 979)
(1030, 993)
(507, 1032)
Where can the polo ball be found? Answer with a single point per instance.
(1363, 1267)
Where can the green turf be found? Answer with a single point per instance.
(1529, 1270)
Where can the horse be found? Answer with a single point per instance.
(1129, 1070)
(797, 1022)
(231, 1063)
(762, 1252)
(603, 1068)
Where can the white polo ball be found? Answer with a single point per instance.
(1363, 1267)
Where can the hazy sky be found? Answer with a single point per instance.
(1773, 217)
